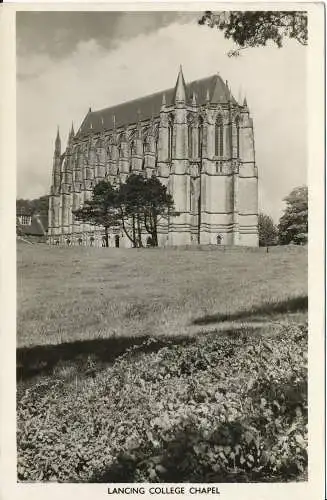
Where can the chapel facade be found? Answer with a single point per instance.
(196, 138)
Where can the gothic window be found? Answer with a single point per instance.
(219, 137)
(157, 145)
(237, 121)
(132, 150)
(170, 137)
(190, 139)
(200, 137)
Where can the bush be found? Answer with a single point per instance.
(221, 409)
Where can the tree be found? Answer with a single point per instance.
(293, 225)
(256, 28)
(158, 204)
(101, 210)
(267, 231)
(132, 206)
(135, 206)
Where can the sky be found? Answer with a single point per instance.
(70, 61)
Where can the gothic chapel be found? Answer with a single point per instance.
(195, 138)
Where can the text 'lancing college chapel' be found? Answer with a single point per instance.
(195, 138)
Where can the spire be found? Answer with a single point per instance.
(163, 102)
(245, 103)
(240, 95)
(207, 96)
(58, 143)
(180, 94)
(220, 92)
(193, 99)
(114, 122)
(71, 133)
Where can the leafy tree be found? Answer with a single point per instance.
(256, 28)
(158, 204)
(293, 225)
(101, 210)
(135, 205)
(132, 206)
(267, 231)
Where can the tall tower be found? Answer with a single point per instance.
(179, 178)
(248, 182)
(54, 215)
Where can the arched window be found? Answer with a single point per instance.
(132, 148)
(190, 139)
(237, 122)
(170, 137)
(219, 137)
(200, 137)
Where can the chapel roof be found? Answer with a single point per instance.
(149, 106)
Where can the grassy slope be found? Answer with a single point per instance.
(67, 294)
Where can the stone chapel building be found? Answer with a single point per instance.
(196, 138)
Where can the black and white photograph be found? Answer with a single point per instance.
(162, 247)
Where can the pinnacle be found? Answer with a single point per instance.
(163, 103)
(180, 94)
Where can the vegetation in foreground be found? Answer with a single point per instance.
(219, 409)
(214, 390)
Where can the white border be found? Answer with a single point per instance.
(314, 488)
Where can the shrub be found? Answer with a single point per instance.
(220, 409)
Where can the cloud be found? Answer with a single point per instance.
(55, 91)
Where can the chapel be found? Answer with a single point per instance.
(195, 137)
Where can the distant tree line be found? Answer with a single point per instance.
(31, 207)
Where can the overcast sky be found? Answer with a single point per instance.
(69, 61)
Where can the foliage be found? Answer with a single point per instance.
(219, 409)
(267, 231)
(293, 225)
(158, 204)
(38, 206)
(256, 28)
(136, 205)
(101, 210)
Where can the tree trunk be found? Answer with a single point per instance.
(139, 232)
(106, 236)
(124, 227)
(155, 230)
(133, 231)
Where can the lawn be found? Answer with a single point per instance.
(162, 365)
(70, 294)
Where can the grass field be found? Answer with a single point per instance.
(161, 365)
(70, 294)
